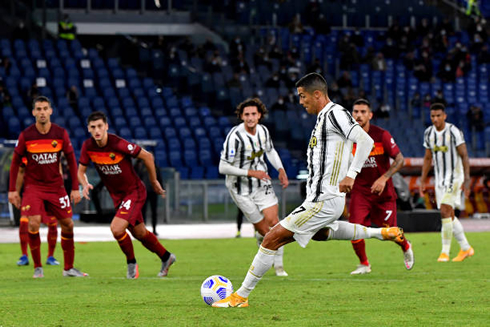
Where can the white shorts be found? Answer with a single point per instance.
(307, 219)
(252, 204)
(452, 196)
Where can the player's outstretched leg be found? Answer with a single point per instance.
(466, 250)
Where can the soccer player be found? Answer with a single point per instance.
(46, 218)
(111, 156)
(42, 144)
(445, 146)
(373, 197)
(247, 180)
(329, 178)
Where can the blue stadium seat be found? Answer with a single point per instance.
(175, 159)
(174, 144)
(196, 172)
(211, 172)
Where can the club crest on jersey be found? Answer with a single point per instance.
(313, 142)
(112, 156)
(54, 144)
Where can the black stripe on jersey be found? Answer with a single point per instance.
(227, 142)
(436, 160)
(322, 158)
(426, 136)
(252, 163)
(267, 138)
(452, 154)
(310, 159)
(335, 123)
(444, 168)
(349, 116)
(242, 160)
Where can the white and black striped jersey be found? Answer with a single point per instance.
(448, 165)
(329, 152)
(246, 151)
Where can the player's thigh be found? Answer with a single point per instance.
(359, 208)
(384, 213)
(247, 205)
(448, 195)
(130, 207)
(32, 203)
(58, 203)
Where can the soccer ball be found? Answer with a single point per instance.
(215, 288)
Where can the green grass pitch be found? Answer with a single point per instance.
(318, 292)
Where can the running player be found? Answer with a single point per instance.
(373, 197)
(42, 144)
(329, 177)
(111, 156)
(445, 146)
(247, 180)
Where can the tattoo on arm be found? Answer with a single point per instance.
(396, 165)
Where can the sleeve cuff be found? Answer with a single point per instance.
(352, 174)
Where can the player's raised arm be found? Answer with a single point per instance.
(149, 162)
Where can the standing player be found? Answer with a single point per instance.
(112, 158)
(42, 144)
(373, 197)
(329, 178)
(445, 146)
(243, 163)
(46, 218)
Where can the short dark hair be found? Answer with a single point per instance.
(96, 115)
(252, 102)
(40, 98)
(312, 82)
(362, 101)
(438, 106)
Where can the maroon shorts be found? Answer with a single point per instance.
(38, 201)
(48, 218)
(129, 206)
(365, 210)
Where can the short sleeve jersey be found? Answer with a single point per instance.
(328, 152)
(113, 163)
(448, 166)
(43, 154)
(377, 164)
(246, 151)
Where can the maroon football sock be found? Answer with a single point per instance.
(360, 249)
(52, 238)
(68, 246)
(150, 241)
(35, 245)
(126, 246)
(24, 235)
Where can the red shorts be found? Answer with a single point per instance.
(365, 210)
(129, 206)
(38, 201)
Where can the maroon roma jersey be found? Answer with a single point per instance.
(43, 154)
(113, 163)
(377, 164)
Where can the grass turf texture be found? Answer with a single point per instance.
(318, 292)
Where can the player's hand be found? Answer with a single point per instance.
(14, 198)
(86, 190)
(75, 196)
(379, 185)
(283, 178)
(466, 187)
(346, 185)
(259, 174)
(422, 189)
(158, 189)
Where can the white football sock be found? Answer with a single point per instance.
(458, 233)
(260, 265)
(278, 257)
(348, 231)
(446, 234)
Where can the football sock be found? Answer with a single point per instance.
(52, 238)
(360, 250)
(446, 234)
(68, 246)
(35, 245)
(150, 241)
(403, 244)
(24, 234)
(458, 233)
(348, 231)
(260, 265)
(278, 262)
(126, 246)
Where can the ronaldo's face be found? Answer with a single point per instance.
(251, 117)
(362, 114)
(98, 129)
(42, 112)
(307, 100)
(438, 118)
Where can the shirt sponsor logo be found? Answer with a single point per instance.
(313, 142)
(370, 163)
(255, 155)
(110, 169)
(45, 158)
(442, 148)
